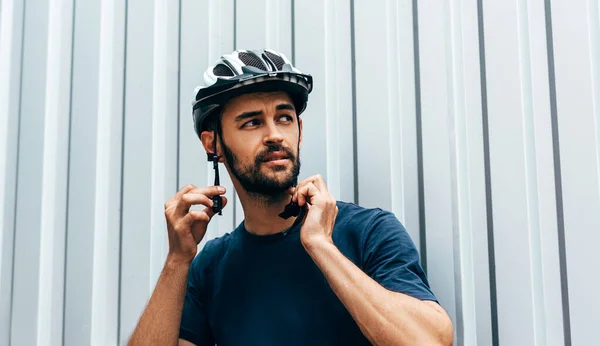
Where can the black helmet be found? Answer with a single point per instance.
(245, 71)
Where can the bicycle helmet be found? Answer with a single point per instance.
(245, 71)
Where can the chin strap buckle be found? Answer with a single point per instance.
(217, 201)
(292, 209)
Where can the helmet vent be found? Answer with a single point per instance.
(252, 60)
(275, 59)
(222, 70)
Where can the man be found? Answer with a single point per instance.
(337, 274)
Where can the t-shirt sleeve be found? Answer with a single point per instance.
(391, 258)
(194, 321)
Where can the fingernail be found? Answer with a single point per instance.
(221, 189)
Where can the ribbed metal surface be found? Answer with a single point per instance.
(477, 122)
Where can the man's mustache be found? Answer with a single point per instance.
(273, 148)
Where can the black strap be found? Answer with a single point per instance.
(217, 201)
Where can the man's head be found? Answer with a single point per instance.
(253, 99)
(259, 140)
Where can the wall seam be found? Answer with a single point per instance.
(562, 256)
(123, 105)
(418, 114)
(488, 179)
(354, 113)
(16, 195)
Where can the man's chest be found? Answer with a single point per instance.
(275, 299)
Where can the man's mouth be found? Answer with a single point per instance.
(276, 156)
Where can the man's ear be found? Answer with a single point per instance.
(207, 141)
(207, 138)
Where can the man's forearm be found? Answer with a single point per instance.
(384, 317)
(159, 324)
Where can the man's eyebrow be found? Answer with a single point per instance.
(247, 115)
(285, 106)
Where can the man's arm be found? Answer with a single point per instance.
(159, 324)
(160, 321)
(385, 317)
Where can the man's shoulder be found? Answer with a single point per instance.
(214, 249)
(349, 212)
(364, 222)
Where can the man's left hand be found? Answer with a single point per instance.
(321, 210)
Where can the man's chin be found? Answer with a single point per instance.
(271, 188)
(275, 171)
(283, 178)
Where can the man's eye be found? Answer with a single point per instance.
(286, 118)
(253, 122)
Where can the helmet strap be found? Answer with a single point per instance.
(217, 201)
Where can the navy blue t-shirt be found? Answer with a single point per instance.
(245, 289)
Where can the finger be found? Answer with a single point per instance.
(184, 190)
(210, 211)
(319, 182)
(186, 223)
(189, 199)
(295, 193)
(197, 198)
(195, 216)
(209, 190)
(203, 216)
(306, 193)
(299, 188)
(316, 179)
(178, 194)
(290, 190)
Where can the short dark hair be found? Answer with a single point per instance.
(213, 121)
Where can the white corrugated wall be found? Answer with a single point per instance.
(476, 121)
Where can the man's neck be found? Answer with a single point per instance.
(261, 216)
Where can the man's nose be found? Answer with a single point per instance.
(273, 134)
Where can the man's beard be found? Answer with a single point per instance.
(254, 181)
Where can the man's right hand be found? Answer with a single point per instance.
(187, 227)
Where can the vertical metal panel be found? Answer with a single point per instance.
(11, 33)
(82, 151)
(576, 44)
(520, 145)
(137, 163)
(107, 214)
(436, 112)
(473, 248)
(29, 176)
(323, 48)
(403, 124)
(372, 105)
(507, 114)
(471, 269)
(318, 35)
(164, 128)
(55, 175)
(193, 56)
(264, 24)
(385, 110)
(539, 133)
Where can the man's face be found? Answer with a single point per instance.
(261, 142)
